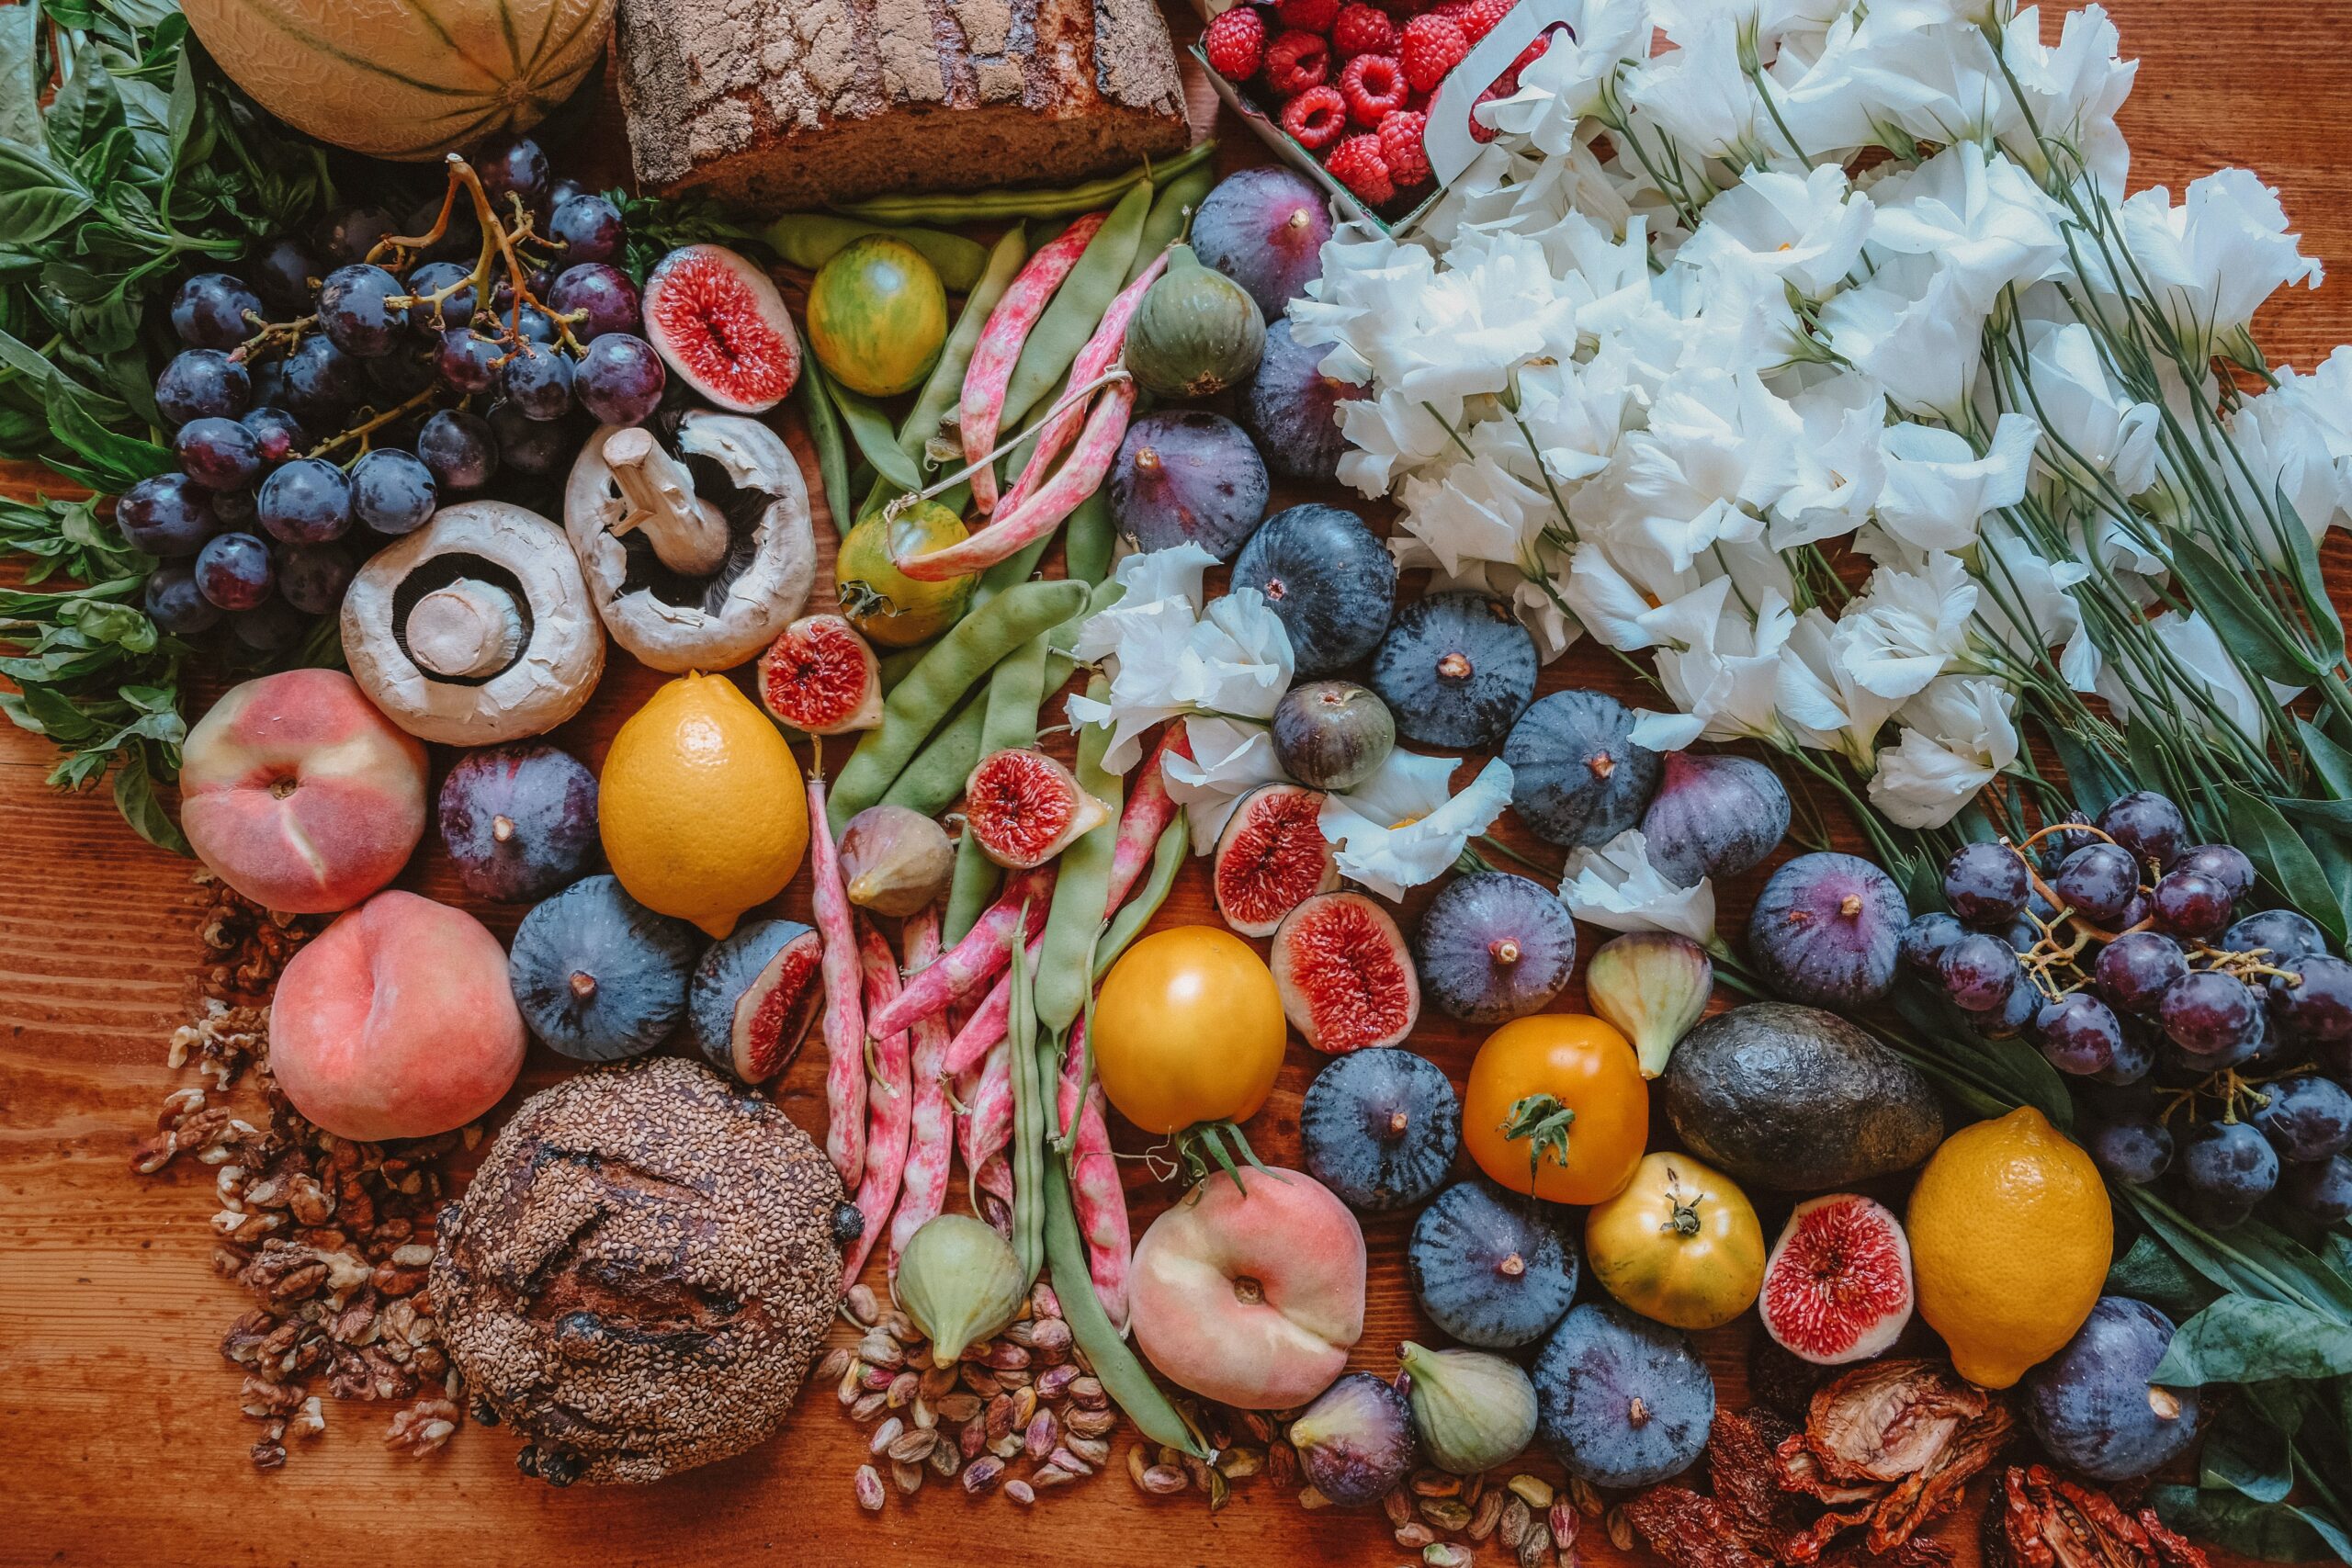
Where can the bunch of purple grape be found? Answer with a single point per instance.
(2219, 1047)
(329, 400)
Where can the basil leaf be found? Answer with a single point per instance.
(85, 110)
(125, 459)
(2273, 1532)
(134, 796)
(2248, 1454)
(2150, 1272)
(2282, 857)
(2241, 1339)
(36, 197)
(20, 76)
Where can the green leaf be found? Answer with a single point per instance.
(2091, 778)
(2273, 1532)
(2247, 1452)
(134, 796)
(2252, 1257)
(2241, 1339)
(85, 110)
(2279, 853)
(2311, 584)
(37, 198)
(2330, 762)
(20, 76)
(125, 459)
(2151, 1272)
(2250, 629)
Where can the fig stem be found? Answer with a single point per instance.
(502, 829)
(1543, 1121)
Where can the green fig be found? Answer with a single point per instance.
(960, 1282)
(1652, 986)
(1473, 1410)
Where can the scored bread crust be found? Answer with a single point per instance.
(797, 103)
(640, 1273)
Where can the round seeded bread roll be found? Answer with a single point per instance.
(641, 1272)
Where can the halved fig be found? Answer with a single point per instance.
(820, 677)
(1346, 980)
(1024, 808)
(1837, 1286)
(1271, 857)
(754, 997)
(718, 321)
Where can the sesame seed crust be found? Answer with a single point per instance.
(641, 1271)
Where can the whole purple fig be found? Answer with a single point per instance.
(1714, 815)
(520, 821)
(1356, 1440)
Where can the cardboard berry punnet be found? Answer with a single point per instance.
(1446, 139)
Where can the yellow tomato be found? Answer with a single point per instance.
(1556, 1107)
(884, 603)
(1679, 1245)
(1188, 1027)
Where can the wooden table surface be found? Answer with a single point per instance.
(124, 1444)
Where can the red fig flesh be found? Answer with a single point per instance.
(1837, 1286)
(1024, 808)
(820, 677)
(718, 321)
(1346, 980)
(1271, 857)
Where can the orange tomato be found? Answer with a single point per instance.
(1556, 1107)
(1188, 1027)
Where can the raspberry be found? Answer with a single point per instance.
(1296, 61)
(1357, 164)
(1432, 46)
(1531, 53)
(1307, 16)
(1477, 17)
(1236, 43)
(1362, 29)
(1316, 118)
(1480, 132)
(1374, 86)
(1401, 150)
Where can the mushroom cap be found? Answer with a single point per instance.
(554, 674)
(735, 617)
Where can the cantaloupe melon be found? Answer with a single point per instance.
(406, 79)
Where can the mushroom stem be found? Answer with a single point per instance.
(686, 531)
(466, 628)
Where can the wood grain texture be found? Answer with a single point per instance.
(125, 1443)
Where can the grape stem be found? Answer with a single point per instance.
(367, 427)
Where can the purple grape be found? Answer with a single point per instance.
(588, 227)
(2134, 1150)
(537, 382)
(459, 449)
(2014, 1017)
(350, 233)
(233, 509)
(565, 187)
(2211, 1014)
(311, 578)
(323, 383)
(2226, 863)
(173, 602)
(392, 492)
(401, 375)
(468, 362)
(279, 433)
(233, 571)
(2080, 1034)
(2190, 903)
(1925, 938)
(1985, 882)
(270, 382)
(620, 379)
(2228, 1168)
(2321, 1190)
(457, 310)
(530, 446)
(531, 324)
(356, 313)
(2137, 913)
(2135, 970)
(202, 383)
(1979, 973)
(169, 516)
(513, 166)
(2281, 934)
(2148, 825)
(2097, 881)
(2064, 839)
(284, 272)
(601, 296)
(211, 310)
(2306, 1118)
(2136, 1055)
(2314, 998)
(271, 627)
(219, 454)
(307, 501)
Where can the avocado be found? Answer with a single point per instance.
(1796, 1098)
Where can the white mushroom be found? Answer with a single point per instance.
(715, 575)
(475, 628)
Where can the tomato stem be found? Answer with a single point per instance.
(1543, 1121)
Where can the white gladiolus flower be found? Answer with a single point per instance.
(1959, 735)
(1698, 94)
(1914, 327)
(1820, 701)
(2211, 261)
(1229, 760)
(1986, 225)
(2223, 696)
(1840, 471)
(1562, 86)
(1905, 628)
(1937, 490)
(1720, 665)
(1718, 448)
(1806, 231)
(1617, 888)
(2296, 440)
(2074, 91)
(1401, 828)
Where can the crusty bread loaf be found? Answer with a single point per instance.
(780, 104)
(641, 1271)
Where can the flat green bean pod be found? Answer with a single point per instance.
(1078, 306)
(825, 436)
(1123, 1375)
(809, 239)
(963, 207)
(1089, 538)
(932, 688)
(876, 442)
(945, 383)
(1173, 202)
(934, 780)
(1081, 886)
(1167, 860)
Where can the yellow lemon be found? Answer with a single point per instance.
(701, 806)
(2010, 1240)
